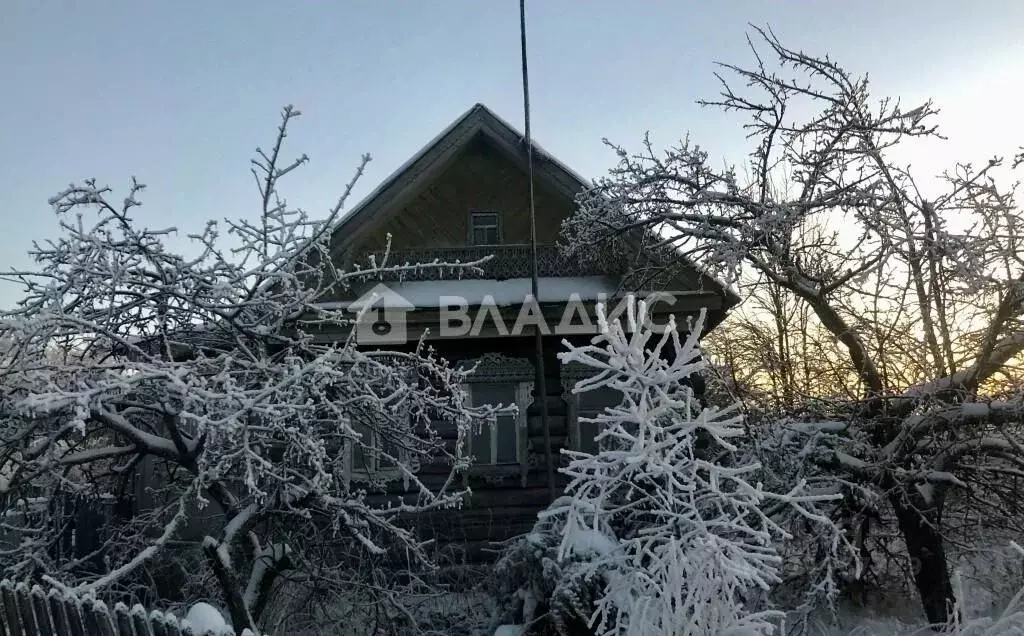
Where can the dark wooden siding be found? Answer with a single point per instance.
(501, 506)
(482, 178)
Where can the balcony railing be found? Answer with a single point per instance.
(508, 261)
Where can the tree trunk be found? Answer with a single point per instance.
(230, 587)
(927, 553)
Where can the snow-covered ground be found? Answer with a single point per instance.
(990, 583)
(895, 614)
(989, 580)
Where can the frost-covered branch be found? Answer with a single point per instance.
(877, 296)
(158, 386)
(665, 524)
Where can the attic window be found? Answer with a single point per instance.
(484, 228)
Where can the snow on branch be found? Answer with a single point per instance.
(197, 375)
(677, 535)
(891, 300)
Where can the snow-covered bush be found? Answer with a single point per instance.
(818, 567)
(662, 532)
(546, 590)
(193, 396)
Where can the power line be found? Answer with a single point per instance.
(541, 390)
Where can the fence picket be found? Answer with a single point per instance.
(171, 624)
(140, 621)
(44, 621)
(76, 617)
(11, 608)
(122, 616)
(97, 621)
(61, 624)
(36, 611)
(6, 624)
(3, 620)
(24, 601)
(156, 621)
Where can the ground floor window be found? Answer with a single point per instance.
(583, 409)
(501, 441)
(374, 453)
(495, 379)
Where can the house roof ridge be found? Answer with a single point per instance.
(486, 120)
(537, 148)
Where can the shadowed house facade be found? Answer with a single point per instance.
(462, 198)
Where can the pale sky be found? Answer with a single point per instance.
(180, 93)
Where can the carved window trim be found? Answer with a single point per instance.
(508, 261)
(570, 374)
(498, 368)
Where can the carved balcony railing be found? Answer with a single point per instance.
(508, 261)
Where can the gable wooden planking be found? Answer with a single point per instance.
(480, 178)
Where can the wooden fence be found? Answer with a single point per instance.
(39, 612)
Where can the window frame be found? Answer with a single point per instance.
(372, 449)
(492, 368)
(577, 434)
(570, 375)
(471, 235)
(521, 396)
(375, 473)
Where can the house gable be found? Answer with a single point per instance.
(479, 157)
(482, 177)
(479, 163)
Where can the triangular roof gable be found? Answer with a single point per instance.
(416, 173)
(432, 159)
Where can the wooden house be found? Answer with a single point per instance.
(463, 197)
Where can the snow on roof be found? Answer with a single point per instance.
(512, 291)
(391, 178)
(538, 150)
(480, 115)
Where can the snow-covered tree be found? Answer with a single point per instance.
(915, 281)
(193, 392)
(665, 530)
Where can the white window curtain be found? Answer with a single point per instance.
(499, 443)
